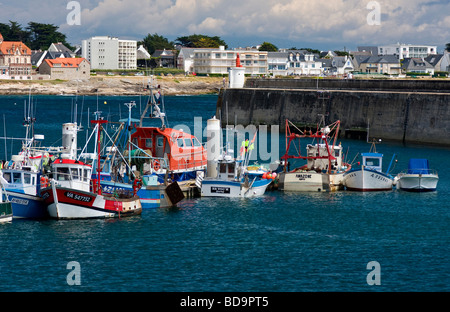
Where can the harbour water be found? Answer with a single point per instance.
(281, 242)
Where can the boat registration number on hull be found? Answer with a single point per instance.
(220, 190)
(302, 176)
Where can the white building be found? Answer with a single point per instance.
(104, 52)
(294, 62)
(403, 51)
(219, 60)
(185, 60)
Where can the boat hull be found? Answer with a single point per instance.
(367, 180)
(418, 182)
(150, 196)
(27, 206)
(65, 203)
(220, 188)
(310, 181)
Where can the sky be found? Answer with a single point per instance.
(318, 24)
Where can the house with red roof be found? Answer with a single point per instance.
(15, 60)
(65, 68)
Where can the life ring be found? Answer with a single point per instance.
(156, 165)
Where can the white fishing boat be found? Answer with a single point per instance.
(228, 176)
(73, 194)
(370, 176)
(418, 178)
(232, 181)
(324, 169)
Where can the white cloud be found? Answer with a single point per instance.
(323, 22)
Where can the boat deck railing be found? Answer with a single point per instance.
(419, 171)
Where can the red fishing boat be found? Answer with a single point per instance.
(165, 151)
(74, 194)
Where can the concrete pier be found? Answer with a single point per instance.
(410, 111)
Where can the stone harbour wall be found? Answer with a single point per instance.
(414, 115)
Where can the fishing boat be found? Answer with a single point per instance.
(324, 169)
(163, 150)
(418, 178)
(229, 176)
(6, 214)
(117, 175)
(232, 181)
(370, 176)
(74, 194)
(22, 176)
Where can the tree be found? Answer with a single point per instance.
(447, 47)
(201, 41)
(14, 32)
(35, 36)
(156, 42)
(342, 53)
(43, 35)
(314, 51)
(267, 46)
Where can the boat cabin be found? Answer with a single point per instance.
(227, 168)
(72, 173)
(177, 149)
(317, 156)
(20, 179)
(372, 161)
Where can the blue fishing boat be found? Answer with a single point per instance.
(22, 187)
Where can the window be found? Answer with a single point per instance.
(7, 176)
(372, 162)
(86, 175)
(17, 177)
(187, 142)
(160, 141)
(148, 143)
(26, 178)
(62, 174)
(180, 142)
(74, 172)
(196, 142)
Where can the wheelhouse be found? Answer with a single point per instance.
(372, 161)
(178, 149)
(72, 173)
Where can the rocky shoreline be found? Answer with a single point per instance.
(114, 85)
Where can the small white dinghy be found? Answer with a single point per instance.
(418, 178)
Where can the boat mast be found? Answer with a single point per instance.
(98, 123)
(130, 106)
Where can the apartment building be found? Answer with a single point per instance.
(219, 60)
(403, 51)
(105, 52)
